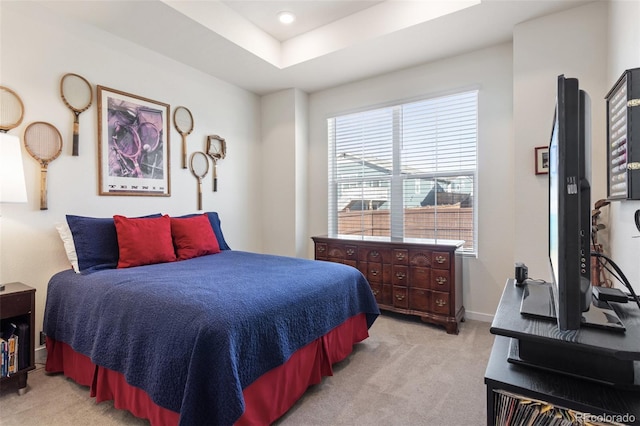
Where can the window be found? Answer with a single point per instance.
(406, 171)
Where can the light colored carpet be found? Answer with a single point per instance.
(405, 373)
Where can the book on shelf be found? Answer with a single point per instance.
(518, 410)
(9, 353)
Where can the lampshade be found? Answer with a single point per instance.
(12, 185)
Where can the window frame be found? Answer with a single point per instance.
(397, 178)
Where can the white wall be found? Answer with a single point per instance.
(38, 47)
(624, 53)
(573, 43)
(279, 162)
(488, 70)
(284, 156)
(302, 167)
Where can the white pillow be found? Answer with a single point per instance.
(69, 246)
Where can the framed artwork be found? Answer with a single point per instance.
(133, 145)
(542, 160)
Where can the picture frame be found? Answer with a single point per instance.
(542, 160)
(133, 145)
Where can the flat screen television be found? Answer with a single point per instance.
(570, 204)
(568, 298)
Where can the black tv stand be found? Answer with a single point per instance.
(594, 354)
(538, 302)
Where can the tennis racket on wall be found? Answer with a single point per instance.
(77, 95)
(44, 143)
(217, 150)
(199, 164)
(183, 122)
(11, 109)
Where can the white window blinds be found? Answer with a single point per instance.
(406, 171)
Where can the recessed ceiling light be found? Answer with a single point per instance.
(286, 17)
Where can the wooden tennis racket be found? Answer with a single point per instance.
(199, 164)
(217, 150)
(183, 122)
(77, 95)
(11, 109)
(44, 143)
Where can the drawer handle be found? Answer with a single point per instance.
(400, 255)
(375, 254)
(400, 297)
(440, 259)
(400, 275)
(321, 249)
(376, 292)
(440, 302)
(350, 252)
(441, 280)
(374, 272)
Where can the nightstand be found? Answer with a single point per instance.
(17, 306)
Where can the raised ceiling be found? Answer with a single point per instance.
(310, 14)
(331, 42)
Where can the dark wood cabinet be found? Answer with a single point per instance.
(409, 276)
(17, 305)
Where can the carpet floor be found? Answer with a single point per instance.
(405, 373)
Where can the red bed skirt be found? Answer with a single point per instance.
(266, 399)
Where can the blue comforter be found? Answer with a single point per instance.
(194, 333)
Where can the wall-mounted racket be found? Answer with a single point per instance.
(44, 143)
(183, 122)
(199, 164)
(77, 95)
(217, 150)
(11, 109)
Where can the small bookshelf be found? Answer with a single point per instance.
(17, 307)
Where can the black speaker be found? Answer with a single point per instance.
(522, 273)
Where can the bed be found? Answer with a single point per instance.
(227, 338)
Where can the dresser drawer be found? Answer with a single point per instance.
(420, 258)
(15, 304)
(420, 277)
(440, 303)
(374, 254)
(350, 263)
(374, 272)
(399, 275)
(440, 280)
(400, 297)
(321, 251)
(336, 251)
(351, 252)
(382, 293)
(420, 299)
(376, 289)
(400, 257)
(440, 260)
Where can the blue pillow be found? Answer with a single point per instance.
(96, 242)
(217, 230)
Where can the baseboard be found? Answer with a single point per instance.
(41, 355)
(478, 316)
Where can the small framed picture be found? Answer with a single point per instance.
(133, 144)
(542, 160)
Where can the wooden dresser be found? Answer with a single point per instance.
(409, 276)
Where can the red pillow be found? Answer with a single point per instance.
(144, 241)
(193, 237)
